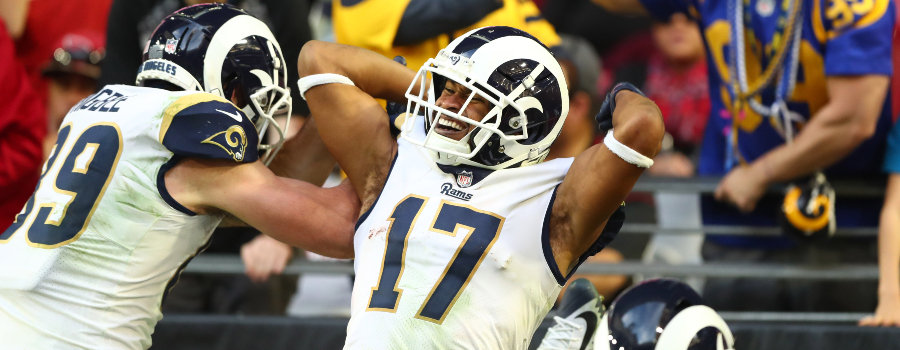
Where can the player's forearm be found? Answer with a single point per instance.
(374, 74)
(848, 119)
(889, 242)
(304, 157)
(299, 214)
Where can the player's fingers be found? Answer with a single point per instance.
(892, 322)
(867, 321)
(719, 194)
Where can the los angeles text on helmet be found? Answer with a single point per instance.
(158, 66)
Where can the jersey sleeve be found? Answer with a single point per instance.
(663, 9)
(858, 36)
(207, 126)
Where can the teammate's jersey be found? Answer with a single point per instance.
(442, 263)
(373, 24)
(89, 258)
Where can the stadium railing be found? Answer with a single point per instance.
(230, 264)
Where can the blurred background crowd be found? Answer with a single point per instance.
(53, 53)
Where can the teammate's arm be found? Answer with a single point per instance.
(295, 212)
(351, 122)
(599, 180)
(849, 118)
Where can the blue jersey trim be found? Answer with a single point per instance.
(164, 193)
(177, 276)
(365, 215)
(545, 242)
(609, 232)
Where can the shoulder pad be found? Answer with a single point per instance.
(204, 125)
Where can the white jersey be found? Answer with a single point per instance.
(87, 261)
(443, 265)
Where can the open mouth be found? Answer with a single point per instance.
(451, 128)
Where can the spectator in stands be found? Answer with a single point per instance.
(131, 22)
(603, 29)
(581, 65)
(837, 96)
(22, 118)
(676, 80)
(888, 311)
(418, 29)
(72, 71)
(47, 22)
(671, 70)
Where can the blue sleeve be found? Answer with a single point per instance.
(663, 9)
(859, 40)
(892, 154)
(207, 126)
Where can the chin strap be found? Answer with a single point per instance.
(308, 82)
(626, 153)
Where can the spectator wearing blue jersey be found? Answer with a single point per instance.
(814, 71)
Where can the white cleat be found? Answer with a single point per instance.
(579, 314)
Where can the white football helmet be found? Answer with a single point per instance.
(222, 49)
(512, 70)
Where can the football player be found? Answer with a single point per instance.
(467, 237)
(139, 178)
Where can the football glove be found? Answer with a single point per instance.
(605, 115)
(395, 109)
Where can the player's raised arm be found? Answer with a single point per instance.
(603, 175)
(351, 122)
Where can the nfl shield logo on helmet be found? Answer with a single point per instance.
(464, 179)
(170, 45)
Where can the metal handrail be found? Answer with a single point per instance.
(230, 264)
(707, 184)
(735, 230)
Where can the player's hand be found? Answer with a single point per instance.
(604, 117)
(264, 256)
(742, 187)
(887, 314)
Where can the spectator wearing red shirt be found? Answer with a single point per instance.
(669, 65)
(46, 24)
(22, 128)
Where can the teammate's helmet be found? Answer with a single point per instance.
(808, 209)
(662, 314)
(222, 50)
(522, 80)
